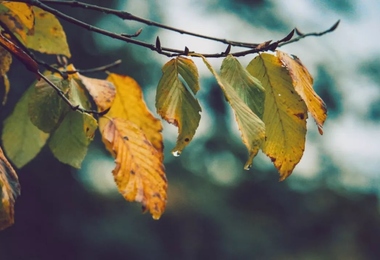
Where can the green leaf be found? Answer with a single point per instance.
(22, 140)
(175, 103)
(46, 108)
(248, 88)
(284, 115)
(251, 127)
(48, 35)
(69, 143)
(77, 94)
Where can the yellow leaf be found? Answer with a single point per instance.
(19, 18)
(49, 36)
(9, 190)
(102, 91)
(303, 84)
(139, 172)
(284, 116)
(175, 103)
(129, 104)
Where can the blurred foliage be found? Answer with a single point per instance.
(252, 216)
(326, 87)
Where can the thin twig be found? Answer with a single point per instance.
(62, 95)
(128, 16)
(97, 69)
(304, 35)
(257, 48)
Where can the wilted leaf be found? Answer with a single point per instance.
(5, 87)
(70, 141)
(102, 91)
(22, 140)
(46, 108)
(285, 114)
(49, 36)
(129, 104)
(139, 172)
(9, 190)
(248, 88)
(18, 17)
(5, 61)
(251, 127)
(303, 84)
(175, 103)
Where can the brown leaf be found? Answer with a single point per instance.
(9, 190)
(139, 172)
(5, 61)
(102, 91)
(303, 84)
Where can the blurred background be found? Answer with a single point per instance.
(327, 209)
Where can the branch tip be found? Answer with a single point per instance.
(158, 44)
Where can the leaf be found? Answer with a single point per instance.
(102, 91)
(303, 84)
(18, 17)
(251, 127)
(9, 190)
(284, 116)
(46, 108)
(22, 140)
(175, 103)
(129, 104)
(139, 172)
(69, 143)
(13, 48)
(5, 85)
(49, 36)
(248, 88)
(5, 61)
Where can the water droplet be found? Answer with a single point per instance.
(156, 216)
(176, 153)
(247, 167)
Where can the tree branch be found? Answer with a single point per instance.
(128, 16)
(169, 52)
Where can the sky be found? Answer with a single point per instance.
(351, 139)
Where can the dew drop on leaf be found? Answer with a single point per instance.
(247, 167)
(176, 153)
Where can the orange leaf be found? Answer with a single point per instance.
(139, 172)
(129, 104)
(102, 91)
(9, 190)
(303, 84)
